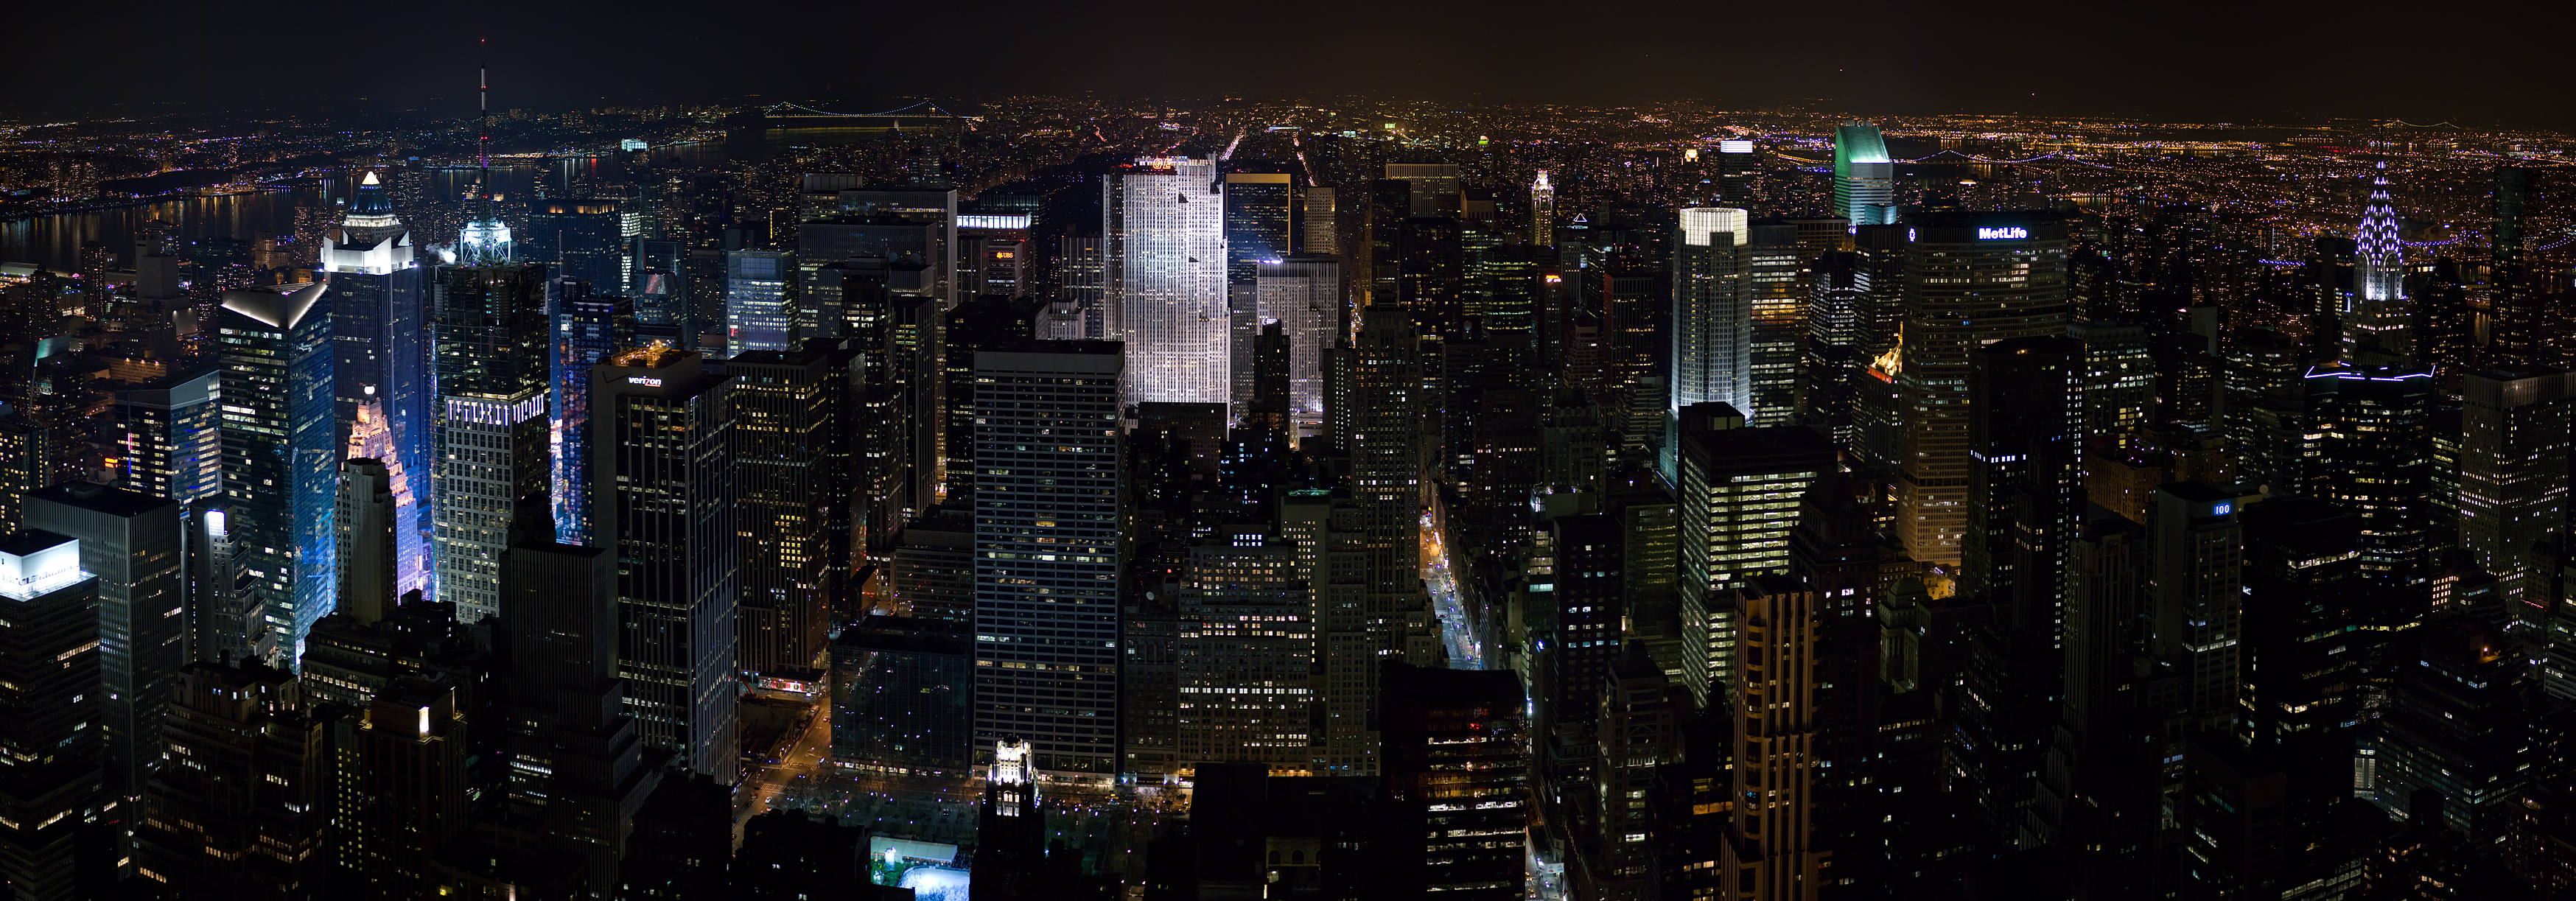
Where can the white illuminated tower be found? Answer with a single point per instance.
(1864, 176)
(485, 241)
(2375, 323)
(1164, 222)
(1712, 311)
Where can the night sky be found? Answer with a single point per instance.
(2477, 64)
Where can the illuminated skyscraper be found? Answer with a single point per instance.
(491, 350)
(1712, 313)
(661, 471)
(1864, 178)
(760, 307)
(1047, 507)
(380, 340)
(1247, 657)
(1971, 279)
(1304, 295)
(2375, 454)
(1164, 218)
(2375, 326)
(281, 465)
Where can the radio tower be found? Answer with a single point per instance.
(484, 241)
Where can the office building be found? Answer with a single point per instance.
(1772, 848)
(246, 812)
(491, 336)
(585, 239)
(403, 792)
(760, 301)
(51, 846)
(1455, 781)
(1303, 294)
(2025, 482)
(366, 537)
(576, 759)
(1833, 360)
(1776, 293)
(2375, 452)
(1712, 312)
(1971, 279)
(2458, 725)
(1739, 492)
(792, 460)
(1864, 177)
(1047, 544)
(173, 436)
(1258, 207)
(899, 696)
(1164, 261)
(2513, 476)
(2194, 623)
(129, 542)
(1247, 657)
(661, 469)
(932, 240)
(1542, 231)
(281, 462)
(587, 328)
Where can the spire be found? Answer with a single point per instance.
(2380, 261)
(369, 180)
(486, 240)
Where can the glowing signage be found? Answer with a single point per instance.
(1735, 147)
(2222, 509)
(649, 381)
(2007, 233)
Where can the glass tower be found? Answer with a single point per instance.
(281, 465)
(760, 312)
(1712, 320)
(587, 329)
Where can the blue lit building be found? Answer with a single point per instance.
(587, 328)
(281, 464)
(380, 347)
(760, 310)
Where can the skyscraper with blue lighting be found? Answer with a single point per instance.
(586, 328)
(281, 464)
(380, 356)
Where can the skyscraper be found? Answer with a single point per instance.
(1164, 218)
(760, 301)
(1712, 312)
(1247, 658)
(587, 328)
(661, 470)
(1739, 491)
(583, 239)
(173, 436)
(2513, 477)
(1304, 295)
(281, 463)
(51, 792)
(249, 814)
(1776, 298)
(576, 763)
(1971, 279)
(2375, 457)
(491, 335)
(1257, 207)
(791, 458)
(129, 542)
(1048, 503)
(380, 328)
(2195, 577)
(1864, 178)
(1773, 820)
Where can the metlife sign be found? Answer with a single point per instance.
(2008, 233)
